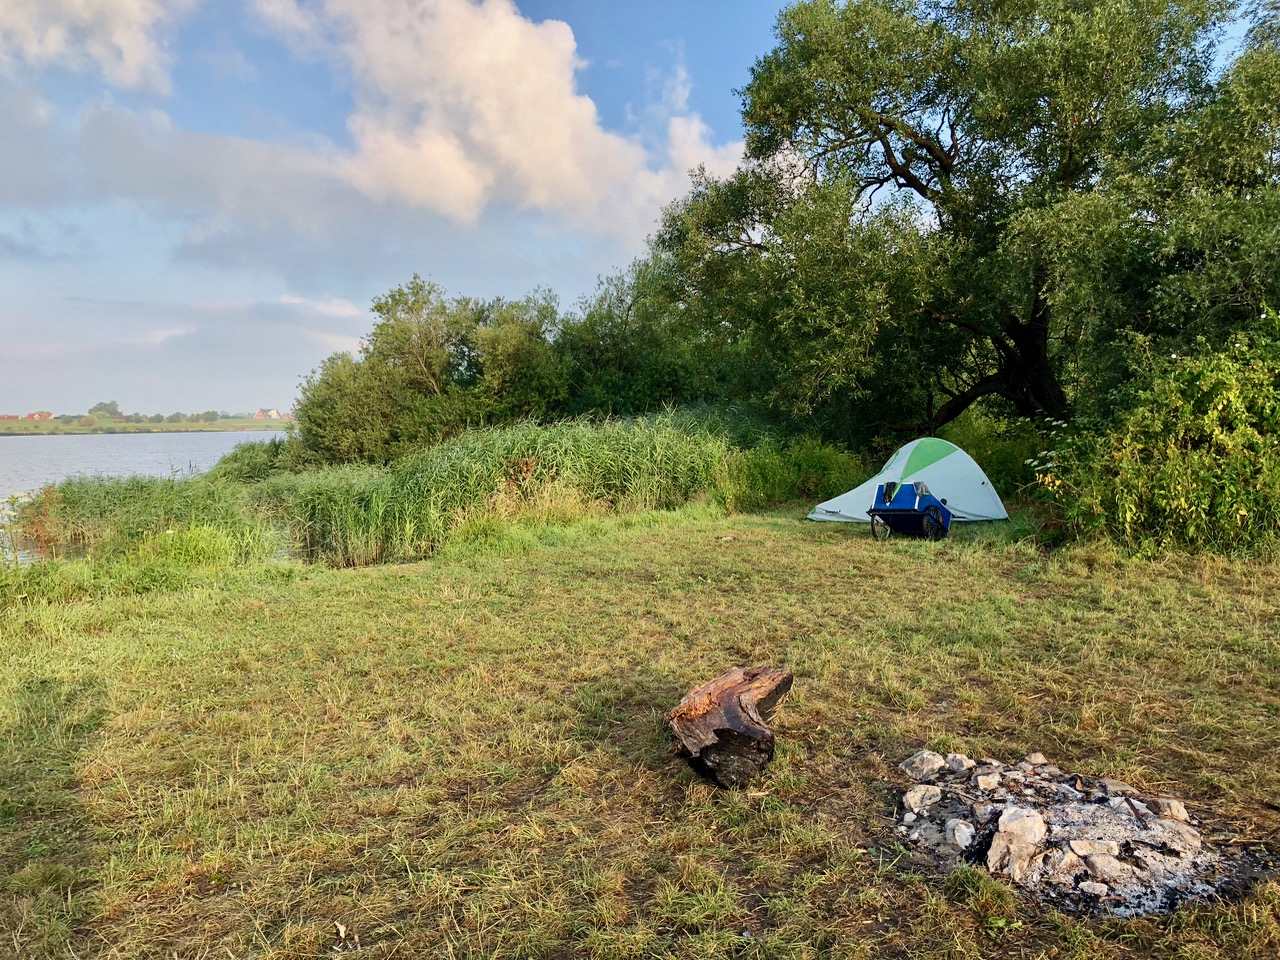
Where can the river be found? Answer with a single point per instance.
(28, 463)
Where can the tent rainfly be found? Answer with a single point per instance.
(947, 471)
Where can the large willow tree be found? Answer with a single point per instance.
(949, 201)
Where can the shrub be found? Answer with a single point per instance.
(339, 514)
(250, 461)
(463, 488)
(114, 517)
(1002, 447)
(1195, 462)
(772, 473)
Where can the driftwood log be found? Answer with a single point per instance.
(721, 724)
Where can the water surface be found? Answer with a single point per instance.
(28, 463)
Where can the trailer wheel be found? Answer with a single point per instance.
(879, 529)
(934, 529)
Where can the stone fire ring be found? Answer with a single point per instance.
(1087, 844)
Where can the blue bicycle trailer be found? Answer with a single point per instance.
(909, 509)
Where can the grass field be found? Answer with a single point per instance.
(28, 428)
(466, 757)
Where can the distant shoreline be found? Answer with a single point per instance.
(53, 428)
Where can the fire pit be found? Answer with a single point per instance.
(1088, 844)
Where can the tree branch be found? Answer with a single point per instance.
(903, 172)
(961, 402)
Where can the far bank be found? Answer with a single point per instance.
(36, 428)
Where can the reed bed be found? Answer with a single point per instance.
(462, 490)
(356, 516)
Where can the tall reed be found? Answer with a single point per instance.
(357, 515)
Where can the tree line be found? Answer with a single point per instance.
(111, 410)
(1024, 206)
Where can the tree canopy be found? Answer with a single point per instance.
(944, 202)
(941, 204)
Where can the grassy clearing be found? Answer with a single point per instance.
(466, 757)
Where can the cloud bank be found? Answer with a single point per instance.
(124, 40)
(459, 106)
(471, 153)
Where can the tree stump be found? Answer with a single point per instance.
(721, 724)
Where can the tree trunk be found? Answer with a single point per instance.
(1024, 376)
(721, 724)
(1033, 385)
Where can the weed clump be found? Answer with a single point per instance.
(1193, 466)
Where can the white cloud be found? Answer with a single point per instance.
(336, 342)
(459, 108)
(124, 39)
(329, 308)
(461, 104)
(34, 172)
(165, 354)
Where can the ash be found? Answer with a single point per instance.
(1086, 844)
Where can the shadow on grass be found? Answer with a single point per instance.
(627, 715)
(43, 827)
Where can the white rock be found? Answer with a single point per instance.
(1169, 808)
(987, 781)
(959, 763)
(1036, 759)
(1022, 822)
(923, 765)
(1123, 805)
(1117, 787)
(959, 833)
(908, 817)
(983, 811)
(920, 796)
(1183, 838)
(1110, 870)
(1010, 855)
(1088, 848)
(1096, 889)
(1016, 842)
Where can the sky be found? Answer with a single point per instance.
(200, 198)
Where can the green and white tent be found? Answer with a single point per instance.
(948, 472)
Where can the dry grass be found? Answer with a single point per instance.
(467, 757)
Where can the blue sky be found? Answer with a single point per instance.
(199, 198)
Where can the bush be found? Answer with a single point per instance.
(771, 473)
(248, 462)
(1193, 465)
(462, 487)
(113, 518)
(337, 514)
(1001, 446)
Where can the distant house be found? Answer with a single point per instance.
(40, 415)
(265, 414)
(9, 416)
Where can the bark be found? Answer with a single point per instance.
(1024, 375)
(721, 725)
